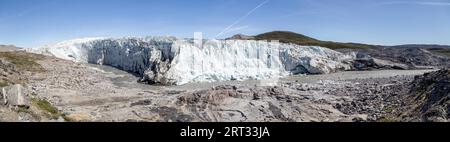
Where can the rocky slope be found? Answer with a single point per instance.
(14, 66)
(399, 58)
(168, 60)
(429, 98)
(8, 73)
(16, 102)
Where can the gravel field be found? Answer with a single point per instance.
(98, 93)
(85, 92)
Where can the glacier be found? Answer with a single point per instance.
(177, 61)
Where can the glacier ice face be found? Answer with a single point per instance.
(174, 61)
(225, 60)
(68, 50)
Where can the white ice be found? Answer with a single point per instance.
(174, 61)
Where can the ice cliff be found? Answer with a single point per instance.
(174, 61)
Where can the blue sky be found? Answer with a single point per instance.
(29, 23)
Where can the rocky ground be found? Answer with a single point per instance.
(67, 91)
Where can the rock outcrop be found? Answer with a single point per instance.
(429, 98)
(14, 96)
(398, 58)
(363, 61)
(173, 61)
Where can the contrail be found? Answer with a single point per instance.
(242, 18)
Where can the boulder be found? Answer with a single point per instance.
(3, 98)
(429, 97)
(14, 95)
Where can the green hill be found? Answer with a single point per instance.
(295, 38)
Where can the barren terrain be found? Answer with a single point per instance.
(82, 92)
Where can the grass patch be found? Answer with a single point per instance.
(3, 83)
(6, 82)
(299, 39)
(386, 119)
(24, 109)
(47, 107)
(23, 61)
(389, 109)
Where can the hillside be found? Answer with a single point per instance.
(425, 46)
(295, 38)
(14, 64)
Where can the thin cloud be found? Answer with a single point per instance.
(241, 19)
(416, 3)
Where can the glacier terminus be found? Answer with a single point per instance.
(177, 61)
